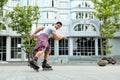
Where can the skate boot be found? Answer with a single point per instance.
(30, 58)
(46, 66)
(34, 64)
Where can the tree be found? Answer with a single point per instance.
(108, 13)
(22, 19)
(2, 3)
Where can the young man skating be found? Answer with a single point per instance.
(42, 45)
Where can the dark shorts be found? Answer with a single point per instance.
(42, 43)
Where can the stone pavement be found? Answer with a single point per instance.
(61, 72)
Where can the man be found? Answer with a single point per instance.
(42, 45)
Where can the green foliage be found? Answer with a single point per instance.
(109, 14)
(22, 19)
(1, 25)
(2, 3)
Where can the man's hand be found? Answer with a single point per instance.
(32, 36)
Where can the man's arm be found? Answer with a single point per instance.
(38, 30)
(56, 37)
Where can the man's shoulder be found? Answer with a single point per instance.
(50, 27)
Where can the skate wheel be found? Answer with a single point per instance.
(51, 69)
(37, 70)
(47, 69)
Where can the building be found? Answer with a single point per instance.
(79, 24)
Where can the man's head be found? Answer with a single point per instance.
(58, 25)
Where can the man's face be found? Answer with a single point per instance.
(58, 26)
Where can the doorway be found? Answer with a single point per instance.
(2, 48)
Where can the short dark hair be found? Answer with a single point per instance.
(59, 23)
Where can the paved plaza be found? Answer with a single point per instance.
(61, 72)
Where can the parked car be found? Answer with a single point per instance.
(109, 59)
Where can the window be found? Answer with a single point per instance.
(48, 15)
(15, 49)
(51, 42)
(3, 26)
(82, 15)
(83, 46)
(81, 3)
(91, 16)
(52, 3)
(79, 27)
(87, 4)
(79, 15)
(101, 47)
(63, 47)
(2, 48)
(86, 15)
(84, 27)
(90, 28)
(49, 3)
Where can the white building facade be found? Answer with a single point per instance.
(82, 27)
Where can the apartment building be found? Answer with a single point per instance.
(82, 27)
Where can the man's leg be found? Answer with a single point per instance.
(45, 65)
(46, 53)
(46, 56)
(36, 56)
(39, 53)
